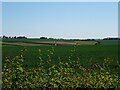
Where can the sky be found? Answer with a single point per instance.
(75, 20)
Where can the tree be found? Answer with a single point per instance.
(15, 37)
(43, 37)
(5, 37)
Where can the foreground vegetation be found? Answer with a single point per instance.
(65, 75)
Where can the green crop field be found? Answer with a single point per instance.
(86, 52)
(86, 55)
(109, 42)
(34, 40)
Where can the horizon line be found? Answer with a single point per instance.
(61, 37)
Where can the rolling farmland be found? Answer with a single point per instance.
(47, 53)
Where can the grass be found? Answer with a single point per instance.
(86, 42)
(109, 42)
(34, 40)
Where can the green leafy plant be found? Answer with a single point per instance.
(65, 75)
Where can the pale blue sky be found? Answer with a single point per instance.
(60, 19)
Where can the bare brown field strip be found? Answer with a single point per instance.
(40, 43)
(58, 43)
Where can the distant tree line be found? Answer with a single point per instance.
(24, 37)
(83, 39)
(111, 39)
(15, 37)
(43, 38)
